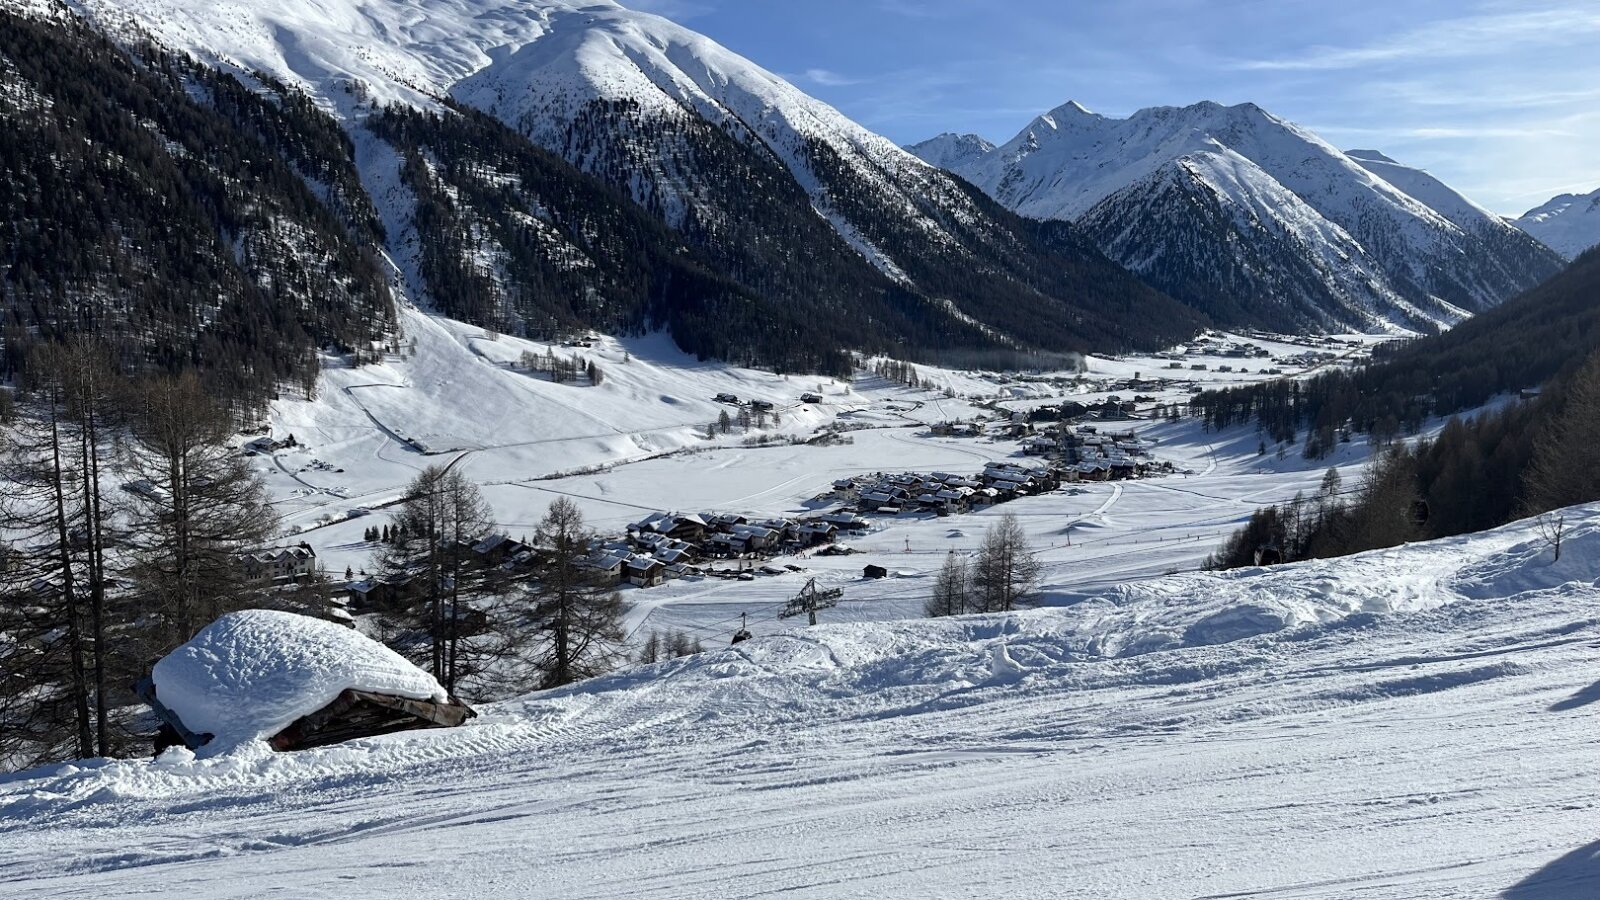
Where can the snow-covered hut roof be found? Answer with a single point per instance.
(250, 674)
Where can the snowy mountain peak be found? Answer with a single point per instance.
(1426, 189)
(951, 151)
(1568, 223)
(1325, 237)
(1371, 155)
(1070, 110)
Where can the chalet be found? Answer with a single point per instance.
(655, 523)
(1038, 445)
(874, 572)
(607, 566)
(846, 521)
(785, 528)
(809, 397)
(648, 541)
(724, 544)
(679, 570)
(723, 521)
(497, 549)
(261, 445)
(872, 500)
(1006, 489)
(644, 571)
(280, 563)
(675, 555)
(816, 534)
(689, 528)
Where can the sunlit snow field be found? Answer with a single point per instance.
(1411, 723)
(460, 396)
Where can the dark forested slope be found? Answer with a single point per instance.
(174, 213)
(1523, 457)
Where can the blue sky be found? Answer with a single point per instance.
(1500, 99)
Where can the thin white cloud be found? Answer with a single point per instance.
(1484, 35)
(829, 78)
(1470, 98)
(1444, 132)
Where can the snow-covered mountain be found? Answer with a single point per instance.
(1256, 219)
(952, 152)
(800, 206)
(1568, 224)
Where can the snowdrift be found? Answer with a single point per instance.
(1183, 612)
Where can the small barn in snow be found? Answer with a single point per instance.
(292, 681)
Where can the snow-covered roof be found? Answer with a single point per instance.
(250, 674)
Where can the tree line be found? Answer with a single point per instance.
(1522, 459)
(126, 513)
(1540, 336)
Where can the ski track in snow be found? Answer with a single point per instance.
(1439, 746)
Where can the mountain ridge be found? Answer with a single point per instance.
(1337, 242)
(778, 190)
(1568, 223)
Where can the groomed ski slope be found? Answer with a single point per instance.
(1412, 723)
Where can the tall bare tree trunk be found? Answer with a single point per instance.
(69, 593)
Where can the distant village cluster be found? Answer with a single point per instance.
(1320, 350)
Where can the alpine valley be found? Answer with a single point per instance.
(522, 448)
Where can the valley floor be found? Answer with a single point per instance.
(1412, 723)
(639, 438)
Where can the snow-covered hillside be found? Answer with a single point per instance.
(1186, 195)
(534, 64)
(1569, 224)
(807, 211)
(1411, 723)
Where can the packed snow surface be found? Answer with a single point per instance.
(1411, 723)
(250, 674)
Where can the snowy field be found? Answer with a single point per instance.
(1410, 723)
(461, 396)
